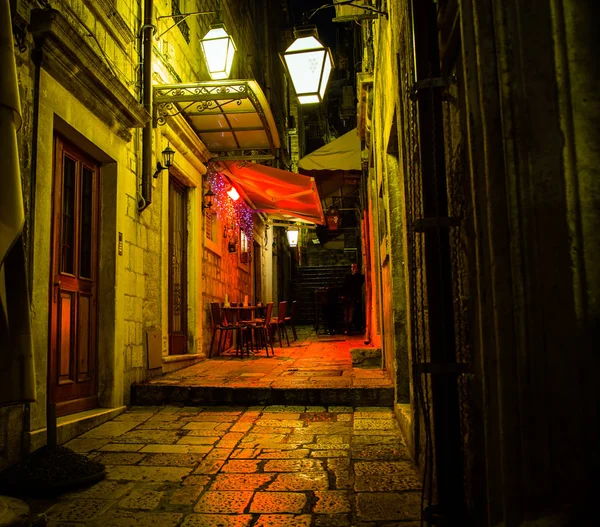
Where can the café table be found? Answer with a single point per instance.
(235, 314)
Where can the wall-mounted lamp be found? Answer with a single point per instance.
(308, 64)
(168, 154)
(292, 235)
(233, 193)
(209, 197)
(218, 49)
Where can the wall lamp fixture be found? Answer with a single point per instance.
(209, 197)
(168, 155)
(292, 235)
(308, 64)
(217, 45)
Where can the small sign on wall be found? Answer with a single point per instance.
(154, 346)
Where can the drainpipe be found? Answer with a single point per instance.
(147, 34)
(442, 368)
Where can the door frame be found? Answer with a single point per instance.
(90, 400)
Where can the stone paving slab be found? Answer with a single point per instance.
(330, 469)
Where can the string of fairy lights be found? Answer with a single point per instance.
(235, 215)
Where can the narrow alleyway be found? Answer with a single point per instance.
(277, 466)
(251, 466)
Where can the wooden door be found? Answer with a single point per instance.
(177, 268)
(72, 377)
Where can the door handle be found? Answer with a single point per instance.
(56, 289)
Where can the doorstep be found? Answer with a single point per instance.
(70, 426)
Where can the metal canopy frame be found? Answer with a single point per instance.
(231, 117)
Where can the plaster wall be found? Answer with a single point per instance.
(60, 110)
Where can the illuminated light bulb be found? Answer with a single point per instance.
(233, 194)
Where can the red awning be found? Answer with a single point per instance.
(276, 192)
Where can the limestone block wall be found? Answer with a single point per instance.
(112, 33)
(141, 262)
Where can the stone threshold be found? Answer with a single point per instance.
(70, 426)
(179, 358)
(172, 363)
(162, 394)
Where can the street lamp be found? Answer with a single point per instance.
(208, 200)
(308, 64)
(292, 235)
(218, 49)
(167, 155)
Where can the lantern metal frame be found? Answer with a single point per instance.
(319, 93)
(208, 199)
(168, 157)
(225, 70)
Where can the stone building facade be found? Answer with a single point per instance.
(81, 76)
(479, 119)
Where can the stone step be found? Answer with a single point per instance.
(157, 394)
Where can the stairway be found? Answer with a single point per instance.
(307, 281)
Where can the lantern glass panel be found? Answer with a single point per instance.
(292, 236)
(218, 49)
(305, 70)
(326, 72)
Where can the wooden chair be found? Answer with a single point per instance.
(290, 319)
(219, 325)
(262, 329)
(278, 324)
(225, 327)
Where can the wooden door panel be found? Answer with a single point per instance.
(72, 381)
(177, 268)
(65, 337)
(84, 333)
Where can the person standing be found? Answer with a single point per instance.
(351, 295)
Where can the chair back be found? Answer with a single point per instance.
(293, 310)
(268, 313)
(281, 311)
(216, 314)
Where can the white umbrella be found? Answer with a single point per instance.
(17, 375)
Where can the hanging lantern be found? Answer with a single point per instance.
(333, 218)
(292, 235)
(218, 49)
(309, 65)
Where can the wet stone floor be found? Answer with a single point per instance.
(271, 466)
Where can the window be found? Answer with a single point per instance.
(244, 248)
(210, 226)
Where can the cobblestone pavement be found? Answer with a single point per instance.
(311, 361)
(273, 466)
